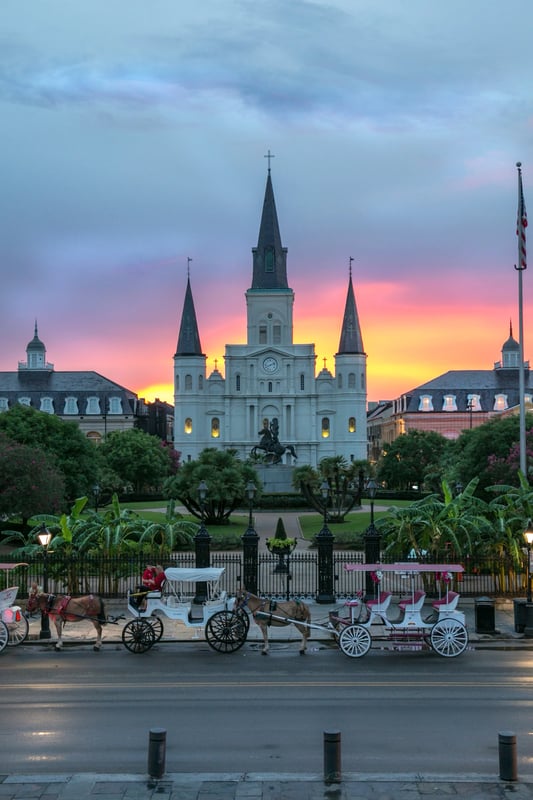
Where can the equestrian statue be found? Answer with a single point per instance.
(269, 445)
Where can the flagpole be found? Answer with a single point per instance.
(522, 265)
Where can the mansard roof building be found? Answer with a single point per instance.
(459, 399)
(271, 380)
(97, 404)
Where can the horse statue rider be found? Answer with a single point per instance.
(270, 444)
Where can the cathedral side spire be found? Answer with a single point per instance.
(188, 338)
(269, 257)
(351, 340)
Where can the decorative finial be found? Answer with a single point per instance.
(325, 362)
(270, 157)
(216, 364)
(518, 164)
(188, 267)
(351, 259)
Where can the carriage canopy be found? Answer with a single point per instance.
(193, 575)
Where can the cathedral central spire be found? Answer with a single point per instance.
(269, 257)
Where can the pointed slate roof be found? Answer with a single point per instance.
(188, 338)
(270, 257)
(36, 345)
(351, 340)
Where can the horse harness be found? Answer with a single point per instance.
(261, 610)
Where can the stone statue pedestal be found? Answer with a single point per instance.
(276, 478)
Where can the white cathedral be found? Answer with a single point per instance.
(270, 382)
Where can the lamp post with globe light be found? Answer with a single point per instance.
(45, 537)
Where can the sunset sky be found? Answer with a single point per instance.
(133, 137)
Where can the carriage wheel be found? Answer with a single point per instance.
(157, 626)
(355, 641)
(138, 636)
(18, 630)
(226, 631)
(244, 618)
(4, 635)
(449, 638)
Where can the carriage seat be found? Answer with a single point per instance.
(379, 606)
(413, 602)
(8, 596)
(216, 601)
(447, 604)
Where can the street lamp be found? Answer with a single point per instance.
(528, 536)
(324, 542)
(96, 494)
(250, 493)
(201, 545)
(372, 538)
(45, 537)
(250, 541)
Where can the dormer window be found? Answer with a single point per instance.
(71, 405)
(4, 404)
(500, 402)
(449, 403)
(24, 401)
(473, 402)
(47, 405)
(425, 403)
(115, 405)
(93, 405)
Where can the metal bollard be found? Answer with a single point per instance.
(156, 752)
(507, 754)
(332, 756)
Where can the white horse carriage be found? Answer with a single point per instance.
(225, 628)
(14, 625)
(362, 622)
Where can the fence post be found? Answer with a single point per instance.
(202, 552)
(324, 542)
(250, 559)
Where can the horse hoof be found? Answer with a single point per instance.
(96, 649)
(263, 653)
(57, 649)
(302, 652)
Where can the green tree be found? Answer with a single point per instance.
(409, 458)
(226, 477)
(139, 459)
(345, 481)
(30, 481)
(486, 452)
(74, 455)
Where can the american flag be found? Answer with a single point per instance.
(521, 222)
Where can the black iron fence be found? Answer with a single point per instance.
(299, 574)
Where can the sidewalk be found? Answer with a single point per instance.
(252, 786)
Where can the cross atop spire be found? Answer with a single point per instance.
(188, 267)
(350, 267)
(270, 157)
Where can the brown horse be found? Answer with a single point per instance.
(62, 608)
(267, 612)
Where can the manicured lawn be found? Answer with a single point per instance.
(356, 522)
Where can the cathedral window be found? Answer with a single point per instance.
(302, 382)
(24, 401)
(177, 383)
(188, 383)
(351, 380)
(187, 428)
(351, 425)
(115, 405)
(200, 382)
(71, 405)
(93, 405)
(363, 387)
(325, 427)
(262, 334)
(4, 405)
(47, 405)
(270, 386)
(94, 437)
(500, 402)
(425, 403)
(449, 403)
(276, 334)
(237, 383)
(215, 428)
(270, 259)
(339, 380)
